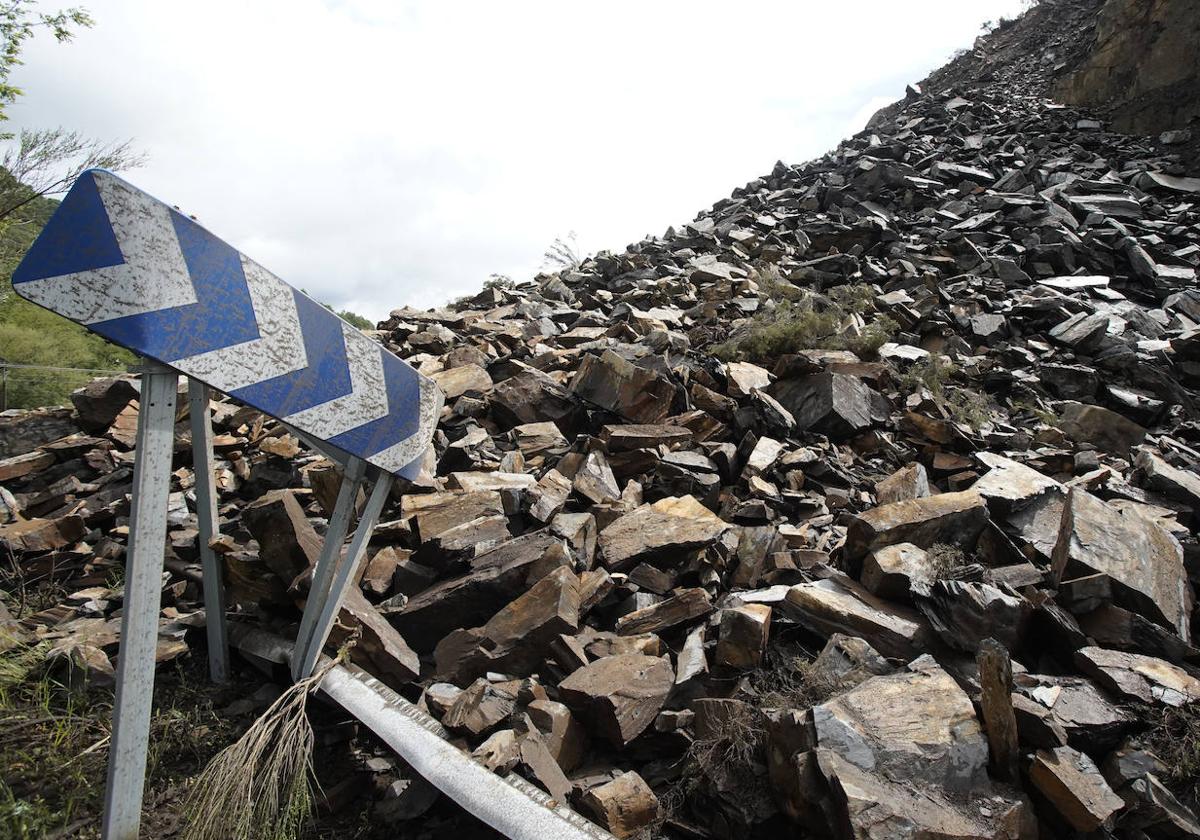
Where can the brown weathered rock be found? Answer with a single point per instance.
(847, 661)
(516, 638)
(637, 394)
(533, 397)
(457, 381)
(744, 633)
(875, 806)
(838, 605)
(915, 724)
(1009, 486)
(481, 707)
(381, 569)
(594, 480)
(965, 613)
(36, 535)
(437, 513)
(500, 752)
(549, 495)
(955, 518)
(685, 605)
(908, 482)
(630, 437)
(624, 806)
(618, 696)
(745, 378)
(100, 401)
(999, 721)
(286, 539)
(565, 738)
(1144, 562)
(1067, 709)
(1072, 783)
(674, 525)
(890, 572)
(540, 763)
(1180, 485)
(496, 577)
(1106, 429)
(22, 465)
(1138, 678)
(379, 649)
(831, 403)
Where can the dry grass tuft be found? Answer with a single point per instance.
(945, 560)
(787, 680)
(261, 786)
(1175, 738)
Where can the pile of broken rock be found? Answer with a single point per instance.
(938, 589)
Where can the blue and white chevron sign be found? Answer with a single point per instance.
(147, 277)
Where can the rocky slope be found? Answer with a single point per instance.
(864, 505)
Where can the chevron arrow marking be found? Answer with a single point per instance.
(278, 349)
(149, 274)
(150, 279)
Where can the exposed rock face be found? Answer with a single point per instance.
(1143, 66)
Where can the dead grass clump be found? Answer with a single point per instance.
(1175, 738)
(258, 788)
(732, 755)
(945, 560)
(788, 680)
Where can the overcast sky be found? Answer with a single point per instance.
(384, 153)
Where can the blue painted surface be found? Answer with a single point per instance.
(222, 315)
(402, 385)
(80, 238)
(325, 379)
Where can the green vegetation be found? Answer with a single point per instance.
(42, 163)
(19, 21)
(30, 335)
(967, 407)
(54, 746)
(356, 320)
(353, 318)
(805, 321)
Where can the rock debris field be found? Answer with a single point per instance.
(863, 505)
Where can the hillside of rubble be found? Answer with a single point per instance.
(863, 505)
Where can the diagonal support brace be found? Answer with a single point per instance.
(336, 572)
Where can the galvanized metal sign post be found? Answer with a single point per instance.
(144, 276)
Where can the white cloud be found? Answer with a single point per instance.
(381, 153)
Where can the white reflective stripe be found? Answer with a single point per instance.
(366, 401)
(154, 275)
(279, 349)
(402, 454)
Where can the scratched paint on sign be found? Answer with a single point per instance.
(150, 279)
